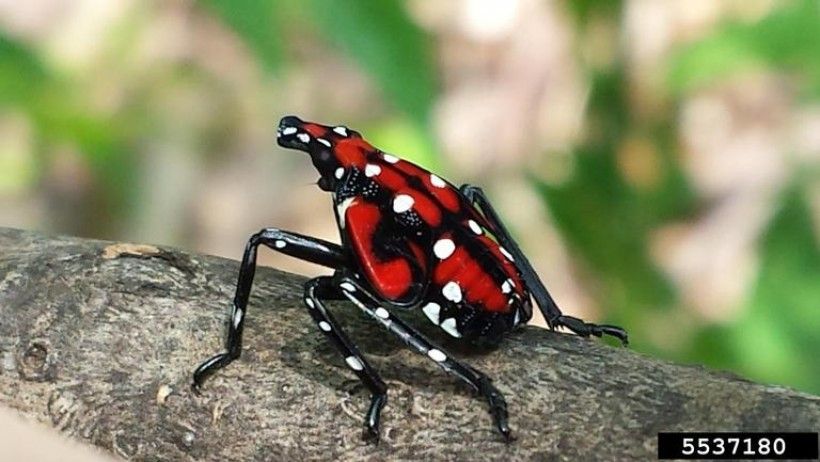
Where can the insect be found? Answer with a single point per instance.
(409, 240)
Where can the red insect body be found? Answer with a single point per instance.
(418, 241)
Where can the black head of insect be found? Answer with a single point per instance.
(332, 149)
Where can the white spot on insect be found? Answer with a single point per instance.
(237, 317)
(323, 141)
(280, 244)
(348, 287)
(340, 130)
(506, 287)
(452, 291)
(390, 159)
(432, 311)
(382, 313)
(354, 363)
(289, 130)
(339, 173)
(449, 326)
(475, 227)
(443, 248)
(437, 181)
(310, 303)
(324, 326)
(371, 170)
(436, 355)
(303, 137)
(506, 253)
(403, 203)
(342, 210)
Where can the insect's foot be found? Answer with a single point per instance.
(370, 435)
(196, 388)
(498, 408)
(499, 413)
(586, 329)
(208, 367)
(199, 380)
(507, 435)
(616, 332)
(503, 427)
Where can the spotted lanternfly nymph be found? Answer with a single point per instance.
(410, 240)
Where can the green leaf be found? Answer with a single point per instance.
(585, 10)
(786, 39)
(58, 117)
(391, 48)
(607, 222)
(602, 221)
(782, 317)
(256, 22)
(21, 72)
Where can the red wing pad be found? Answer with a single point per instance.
(423, 206)
(395, 272)
(444, 192)
(476, 284)
(352, 152)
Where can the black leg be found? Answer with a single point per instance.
(477, 380)
(553, 315)
(293, 244)
(323, 288)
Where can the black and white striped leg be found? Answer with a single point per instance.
(323, 288)
(293, 244)
(477, 380)
(553, 315)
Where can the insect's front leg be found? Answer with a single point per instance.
(293, 244)
(552, 314)
(477, 380)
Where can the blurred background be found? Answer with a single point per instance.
(658, 160)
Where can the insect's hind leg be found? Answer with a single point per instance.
(552, 314)
(293, 244)
(476, 379)
(323, 288)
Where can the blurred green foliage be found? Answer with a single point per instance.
(382, 39)
(781, 321)
(786, 39)
(60, 116)
(21, 74)
(258, 22)
(605, 219)
(376, 34)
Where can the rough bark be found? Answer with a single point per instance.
(99, 340)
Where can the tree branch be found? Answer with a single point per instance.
(99, 340)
